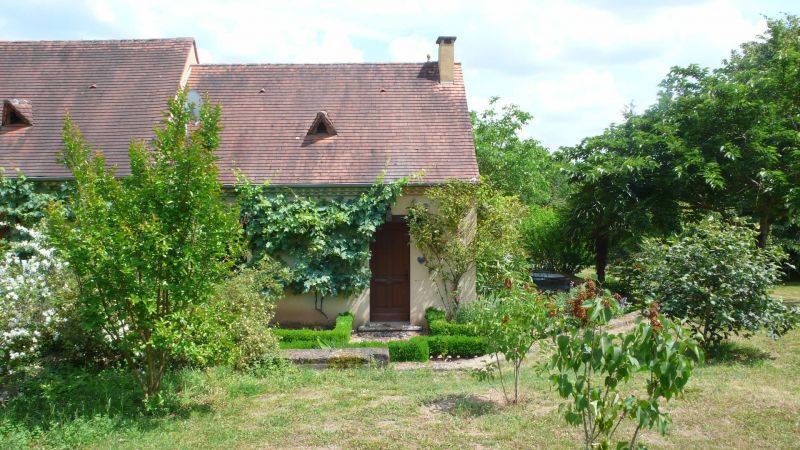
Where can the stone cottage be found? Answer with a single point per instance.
(320, 129)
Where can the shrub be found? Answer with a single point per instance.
(440, 326)
(512, 320)
(446, 328)
(714, 276)
(414, 349)
(550, 246)
(468, 227)
(432, 314)
(590, 365)
(457, 346)
(148, 249)
(32, 280)
(340, 334)
(247, 301)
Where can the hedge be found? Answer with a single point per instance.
(445, 328)
(457, 346)
(340, 334)
(414, 349)
(432, 314)
(439, 326)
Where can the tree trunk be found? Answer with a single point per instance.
(601, 255)
(763, 230)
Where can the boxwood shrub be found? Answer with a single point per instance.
(340, 334)
(457, 346)
(432, 314)
(414, 349)
(439, 326)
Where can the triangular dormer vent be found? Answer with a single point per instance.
(17, 112)
(322, 125)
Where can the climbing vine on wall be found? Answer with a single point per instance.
(323, 241)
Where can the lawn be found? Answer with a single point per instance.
(748, 399)
(789, 291)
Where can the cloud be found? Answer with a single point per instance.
(411, 49)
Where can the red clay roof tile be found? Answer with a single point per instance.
(133, 80)
(396, 117)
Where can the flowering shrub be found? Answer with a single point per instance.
(31, 281)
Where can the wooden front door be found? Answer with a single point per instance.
(389, 290)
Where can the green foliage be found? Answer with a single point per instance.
(148, 249)
(440, 326)
(590, 365)
(340, 334)
(550, 245)
(735, 128)
(512, 321)
(624, 187)
(24, 203)
(518, 167)
(247, 302)
(447, 328)
(324, 242)
(716, 140)
(457, 346)
(714, 276)
(468, 226)
(432, 314)
(414, 349)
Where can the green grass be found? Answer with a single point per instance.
(790, 292)
(749, 397)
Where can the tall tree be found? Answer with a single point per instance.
(517, 166)
(148, 249)
(623, 186)
(738, 127)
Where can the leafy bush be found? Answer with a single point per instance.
(446, 328)
(414, 349)
(439, 326)
(340, 334)
(247, 301)
(432, 314)
(550, 245)
(714, 276)
(457, 346)
(590, 365)
(23, 203)
(468, 226)
(512, 321)
(148, 249)
(32, 281)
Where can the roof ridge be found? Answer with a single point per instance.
(317, 64)
(96, 41)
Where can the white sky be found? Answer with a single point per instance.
(573, 65)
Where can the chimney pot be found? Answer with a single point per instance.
(446, 59)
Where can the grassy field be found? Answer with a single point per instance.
(789, 291)
(750, 398)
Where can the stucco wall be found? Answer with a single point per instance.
(299, 309)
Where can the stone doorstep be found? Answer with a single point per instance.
(387, 326)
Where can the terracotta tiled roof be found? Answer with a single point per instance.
(114, 90)
(393, 116)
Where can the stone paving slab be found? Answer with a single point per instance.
(337, 358)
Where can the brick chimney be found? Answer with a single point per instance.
(446, 58)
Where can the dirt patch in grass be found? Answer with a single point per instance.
(462, 405)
